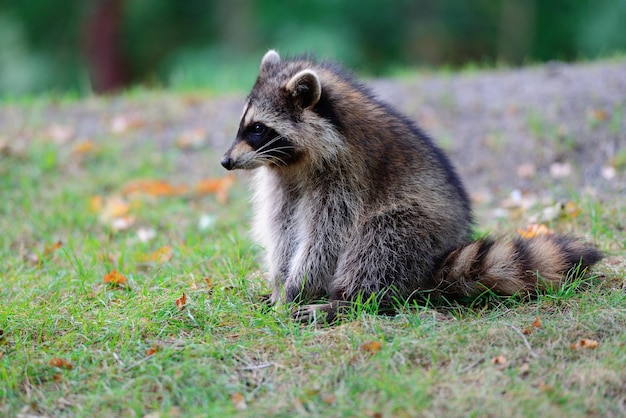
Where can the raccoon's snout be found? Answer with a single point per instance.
(227, 162)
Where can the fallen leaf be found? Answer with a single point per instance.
(115, 278)
(208, 282)
(585, 343)
(598, 114)
(544, 387)
(534, 230)
(152, 351)
(182, 301)
(329, 399)
(372, 346)
(162, 255)
(60, 363)
(49, 249)
(96, 203)
(499, 360)
(84, 147)
(219, 186)
(571, 210)
(153, 188)
(535, 324)
(239, 401)
(112, 207)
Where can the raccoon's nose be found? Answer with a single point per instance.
(227, 162)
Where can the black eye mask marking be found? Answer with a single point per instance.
(269, 143)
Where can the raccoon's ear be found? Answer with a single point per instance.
(271, 57)
(305, 88)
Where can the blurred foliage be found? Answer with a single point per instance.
(64, 44)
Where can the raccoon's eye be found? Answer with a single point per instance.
(258, 129)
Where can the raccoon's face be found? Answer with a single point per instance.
(279, 126)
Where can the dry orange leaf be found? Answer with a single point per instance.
(372, 346)
(571, 210)
(162, 255)
(51, 248)
(535, 324)
(115, 278)
(182, 301)
(112, 207)
(585, 343)
(534, 230)
(329, 399)
(60, 363)
(84, 147)
(208, 282)
(153, 188)
(239, 401)
(152, 351)
(219, 186)
(499, 360)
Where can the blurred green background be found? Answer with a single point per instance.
(102, 45)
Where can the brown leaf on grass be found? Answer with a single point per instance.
(530, 329)
(372, 346)
(208, 282)
(60, 363)
(111, 207)
(182, 301)
(154, 188)
(499, 361)
(152, 351)
(597, 114)
(49, 249)
(239, 401)
(84, 147)
(115, 278)
(162, 255)
(570, 210)
(329, 399)
(216, 185)
(534, 230)
(113, 211)
(544, 387)
(585, 343)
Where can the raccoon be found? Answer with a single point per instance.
(353, 201)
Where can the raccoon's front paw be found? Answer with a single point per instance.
(325, 313)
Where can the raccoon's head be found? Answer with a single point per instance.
(281, 123)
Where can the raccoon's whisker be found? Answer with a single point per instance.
(272, 159)
(270, 142)
(278, 149)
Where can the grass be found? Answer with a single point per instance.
(72, 345)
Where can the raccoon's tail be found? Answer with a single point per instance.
(512, 266)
